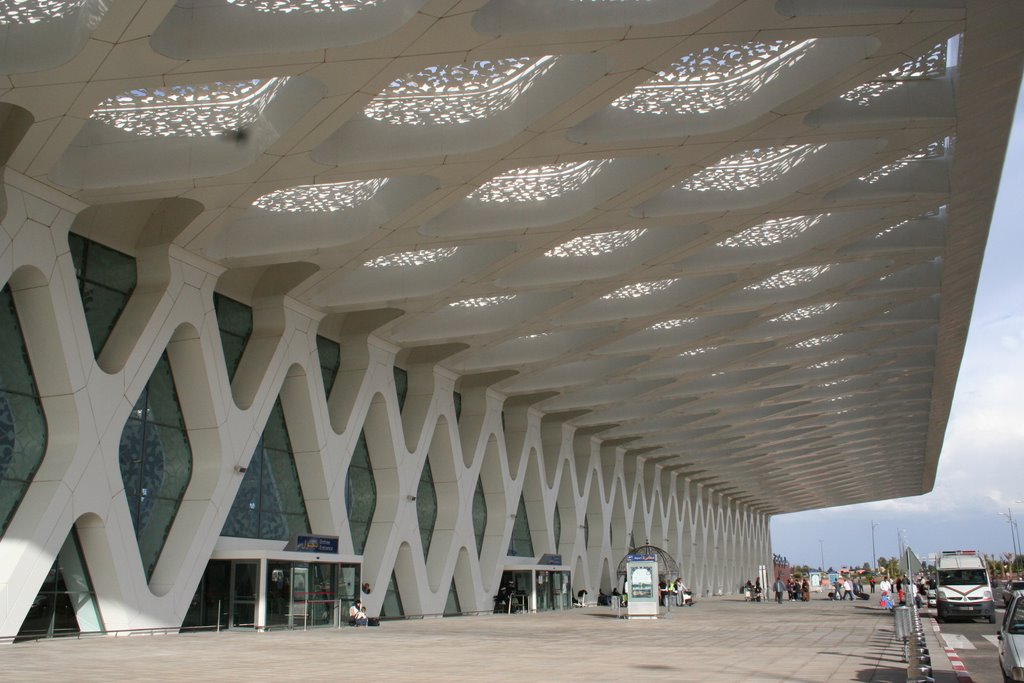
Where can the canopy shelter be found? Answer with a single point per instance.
(667, 565)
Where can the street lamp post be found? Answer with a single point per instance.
(874, 555)
(821, 546)
(1013, 535)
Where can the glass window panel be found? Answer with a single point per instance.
(275, 434)
(557, 527)
(521, 544)
(452, 605)
(64, 621)
(23, 436)
(479, 515)
(110, 268)
(77, 246)
(287, 492)
(15, 368)
(233, 348)
(392, 606)
(401, 386)
(167, 462)
(102, 309)
(426, 506)
(360, 495)
(162, 399)
(233, 317)
(457, 397)
(11, 493)
(37, 621)
(243, 519)
(157, 515)
(330, 360)
(130, 457)
(273, 525)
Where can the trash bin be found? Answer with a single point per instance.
(901, 616)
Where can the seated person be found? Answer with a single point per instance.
(581, 598)
(602, 598)
(356, 615)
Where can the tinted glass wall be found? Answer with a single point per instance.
(23, 431)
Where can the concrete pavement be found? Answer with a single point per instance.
(720, 639)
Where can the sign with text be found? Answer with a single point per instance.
(308, 543)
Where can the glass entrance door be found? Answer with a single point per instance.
(244, 584)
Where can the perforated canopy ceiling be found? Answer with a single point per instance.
(738, 238)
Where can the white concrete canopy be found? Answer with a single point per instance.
(687, 265)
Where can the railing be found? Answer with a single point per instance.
(910, 630)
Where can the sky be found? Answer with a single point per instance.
(981, 467)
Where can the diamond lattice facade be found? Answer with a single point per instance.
(436, 296)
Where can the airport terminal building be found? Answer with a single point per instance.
(430, 302)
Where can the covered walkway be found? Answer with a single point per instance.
(721, 639)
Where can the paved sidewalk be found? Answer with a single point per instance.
(719, 640)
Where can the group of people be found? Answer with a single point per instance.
(674, 592)
(846, 588)
(896, 592)
(795, 589)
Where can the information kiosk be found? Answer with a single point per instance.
(642, 586)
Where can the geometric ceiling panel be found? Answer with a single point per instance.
(644, 298)
(684, 333)
(598, 255)
(747, 233)
(539, 196)
(452, 109)
(526, 349)
(408, 274)
(176, 124)
(42, 34)
(476, 316)
(757, 176)
(293, 221)
(729, 81)
(777, 239)
(201, 29)
(501, 17)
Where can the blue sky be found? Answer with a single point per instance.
(981, 469)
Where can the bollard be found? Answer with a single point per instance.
(901, 618)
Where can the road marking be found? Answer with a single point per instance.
(958, 642)
(992, 639)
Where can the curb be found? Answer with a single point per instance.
(959, 668)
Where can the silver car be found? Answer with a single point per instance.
(1011, 640)
(1009, 588)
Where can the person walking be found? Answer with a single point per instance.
(779, 586)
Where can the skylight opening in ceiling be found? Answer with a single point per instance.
(790, 278)
(305, 6)
(698, 351)
(635, 291)
(483, 302)
(815, 342)
(931, 64)
(672, 324)
(772, 232)
(935, 150)
(896, 226)
(35, 11)
(713, 78)
(406, 259)
(750, 169)
(803, 313)
(323, 198)
(595, 245)
(189, 110)
(826, 364)
(538, 183)
(459, 93)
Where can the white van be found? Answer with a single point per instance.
(962, 587)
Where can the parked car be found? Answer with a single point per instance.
(1011, 640)
(1009, 588)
